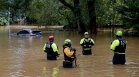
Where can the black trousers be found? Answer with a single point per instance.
(67, 64)
(51, 57)
(87, 52)
(119, 59)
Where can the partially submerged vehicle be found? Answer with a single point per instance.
(29, 32)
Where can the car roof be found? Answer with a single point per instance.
(29, 30)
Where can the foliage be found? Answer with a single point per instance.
(3, 21)
(52, 12)
(68, 17)
(130, 13)
(3, 5)
(84, 12)
(74, 6)
(45, 12)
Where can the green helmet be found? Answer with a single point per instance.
(67, 41)
(119, 33)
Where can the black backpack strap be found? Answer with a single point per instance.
(122, 42)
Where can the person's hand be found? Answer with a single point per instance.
(45, 51)
(73, 49)
(58, 55)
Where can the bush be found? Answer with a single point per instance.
(3, 21)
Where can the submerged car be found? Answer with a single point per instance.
(29, 32)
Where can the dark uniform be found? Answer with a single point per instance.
(69, 54)
(52, 50)
(119, 46)
(86, 44)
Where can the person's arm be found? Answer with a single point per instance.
(114, 44)
(55, 49)
(125, 43)
(92, 42)
(44, 48)
(81, 42)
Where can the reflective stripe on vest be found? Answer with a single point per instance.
(86, 48)
(87, 44)
(119, 53)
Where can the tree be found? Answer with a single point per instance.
(45, 12)
(69, 18)
(17, 8)
(92, 16)
(77, 13)
(130, 14)
(3, 5)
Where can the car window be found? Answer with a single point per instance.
(23, 32)
(35, 32)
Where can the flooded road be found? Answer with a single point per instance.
(24, 57)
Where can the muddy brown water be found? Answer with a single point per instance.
(24, 57)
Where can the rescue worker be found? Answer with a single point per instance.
(69, 54)
(87, 44)
(118, 46)
(51, 49)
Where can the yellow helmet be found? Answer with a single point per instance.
(119, 33)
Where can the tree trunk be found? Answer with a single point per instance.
(79, 22)
(76, 10)
(92, 16)
(113, 16)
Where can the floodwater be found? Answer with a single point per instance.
(24, 57)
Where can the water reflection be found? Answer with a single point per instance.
(51, 70)
(17, 55)
(121, 70)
